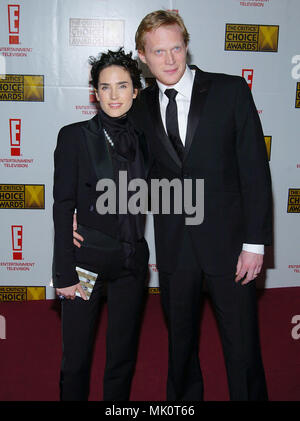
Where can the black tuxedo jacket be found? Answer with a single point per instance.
(81, 158)
(224, 146)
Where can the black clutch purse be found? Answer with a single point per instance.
(99, 252)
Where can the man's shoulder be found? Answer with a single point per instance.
(220, 78)
(148, 90)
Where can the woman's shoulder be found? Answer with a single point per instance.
(70, 137)
(73, 133)
(73, 127)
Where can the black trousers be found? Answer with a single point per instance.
(125, 300)
(236, 311)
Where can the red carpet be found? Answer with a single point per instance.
(30, 354)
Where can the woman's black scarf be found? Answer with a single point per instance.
(126, 156)
(122, 133)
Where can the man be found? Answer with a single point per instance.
(205, 126)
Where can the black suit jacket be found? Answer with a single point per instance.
(81, 158)
(225, 147)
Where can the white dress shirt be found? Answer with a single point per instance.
(183, 100)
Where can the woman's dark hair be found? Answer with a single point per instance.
(115, 58)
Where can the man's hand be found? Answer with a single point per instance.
(69, 292)
(76, 236)
(250, 264)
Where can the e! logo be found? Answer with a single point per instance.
(15, 136)
(248, 75)
(13, 23)
(17, 241)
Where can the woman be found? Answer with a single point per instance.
(114, 247)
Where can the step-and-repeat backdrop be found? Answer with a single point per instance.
(44, 85)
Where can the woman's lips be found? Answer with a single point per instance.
(115, 105)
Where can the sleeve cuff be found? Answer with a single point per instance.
(254, 248)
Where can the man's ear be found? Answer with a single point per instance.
(142, 57)
(97, 96)
(135, 93)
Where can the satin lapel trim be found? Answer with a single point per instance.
(199, 96)
(98, 149)
(154, 110)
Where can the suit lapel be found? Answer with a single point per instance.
(97, 149)
(200, 91)
(199, 95)
(152, 97)
(142, 143)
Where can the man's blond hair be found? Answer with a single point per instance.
(155, 20)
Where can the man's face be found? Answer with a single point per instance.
(165, 53)
(115, 91)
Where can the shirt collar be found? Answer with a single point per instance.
(184, 86)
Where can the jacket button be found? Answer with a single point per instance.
(91, 208)
(88, 184)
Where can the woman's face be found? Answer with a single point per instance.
(115, 91)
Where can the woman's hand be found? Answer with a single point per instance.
(69, 292)
(76, 236)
